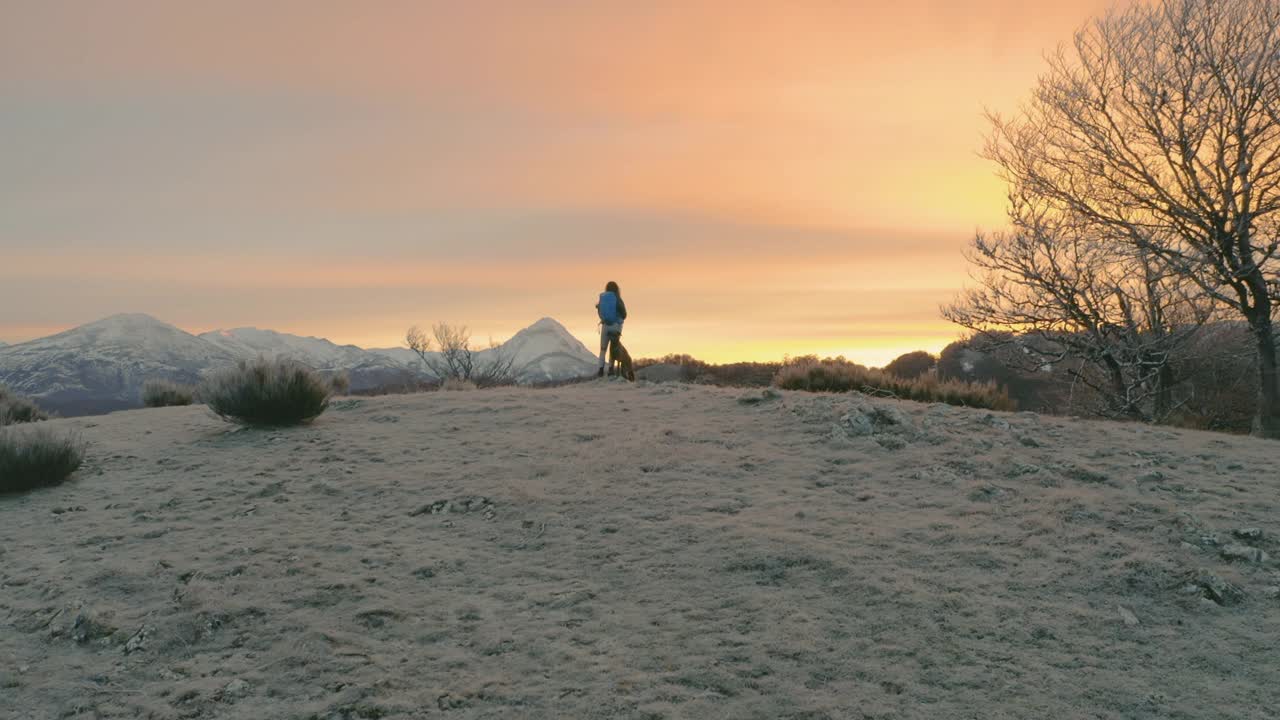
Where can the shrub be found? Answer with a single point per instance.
(691, 369)
(163, 393)
(267, 391)
(340, 382)
(456, 384)
(843, 376)
(912, 365)
(15, 409)
(37, 458)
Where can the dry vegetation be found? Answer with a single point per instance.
(453, 358)
(267, 391)
(691, 369)
(16, 409)
(340, 382)
(844, 376)
(645, 552)
(37, 457)
(1143, 181)
(165, 393)
(1212, 378)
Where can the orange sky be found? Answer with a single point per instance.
(762, 178)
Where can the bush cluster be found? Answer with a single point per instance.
(845, 376)
(163, 393)
(267, 391)
(340, 382)
(39, 457)
(912, 365)
(16, 409)
(743, 374)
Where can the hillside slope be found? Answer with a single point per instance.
(101, 366)
(638, 551)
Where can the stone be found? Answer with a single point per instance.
(1272, 592)
(1218, 590)
(1236, 551)
(88, 627)
(865, 419)
(1083, 474)
(753, 398)
(236, 688)
(1153, 476)
(988, 493)
(138, 641)
(890, 415)
(857, 424)
(1128, 617)
(891, 442)
(1250, 533)
(996, 422)
(459, 505)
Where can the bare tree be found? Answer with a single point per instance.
(1069, 296)
(455, 359)
(1161, 125)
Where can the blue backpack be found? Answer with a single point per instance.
(608, 308)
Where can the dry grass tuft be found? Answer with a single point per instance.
(16, 409)
(844, 376)
(37, 458)
(267, 392)
(163, 393)
(340, 382)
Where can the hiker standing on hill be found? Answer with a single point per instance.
(612, 312)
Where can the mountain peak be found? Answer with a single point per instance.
(129, 327)
(127, 320)
(101, 366)
(546, 323)
(546, 326)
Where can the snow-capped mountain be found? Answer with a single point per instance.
(545, 352)
(101, 366)
(366, 370)
(316, 352)
(400, 355)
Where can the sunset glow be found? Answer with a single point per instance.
(791, 179)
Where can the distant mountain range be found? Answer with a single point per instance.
(101, 366)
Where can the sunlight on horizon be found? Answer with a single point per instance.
(800, 179)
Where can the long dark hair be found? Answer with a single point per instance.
(612, 287)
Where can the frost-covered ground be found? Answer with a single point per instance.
(644, 551)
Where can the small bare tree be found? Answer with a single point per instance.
(456, 360)
(1069, 296)
(1161, 125)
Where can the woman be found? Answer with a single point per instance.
(612, 312)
